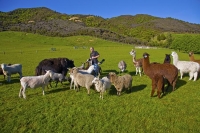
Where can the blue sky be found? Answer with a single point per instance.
(186, 10)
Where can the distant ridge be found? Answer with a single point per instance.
(140, 29)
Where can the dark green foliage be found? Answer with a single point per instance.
(161, 37)
(186, 42)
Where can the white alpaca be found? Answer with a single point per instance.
(186, 67)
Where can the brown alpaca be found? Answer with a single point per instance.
(157, 82)
(191, 55)
(137, 62)
(157, 72)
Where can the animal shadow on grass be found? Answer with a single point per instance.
(133, 73)
(179, 83)
(55, 90)
(12, 81)
(138, 88)
(106, 72)
(113, 91)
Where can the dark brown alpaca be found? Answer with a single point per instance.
(167, 59)
(157, 72)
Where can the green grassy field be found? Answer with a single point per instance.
(65, 110)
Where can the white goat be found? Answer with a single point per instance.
(12, 69)
(186, 67)
(122, 66)
(34, 82)
(88, 71)
(101, 85)
(57, 77)
(79, 79)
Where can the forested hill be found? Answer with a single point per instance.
(138, 29)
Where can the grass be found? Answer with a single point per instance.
(65, 110)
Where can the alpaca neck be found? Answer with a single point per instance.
(175, 60)
(192, 58)
(134, 59)
(146, 63)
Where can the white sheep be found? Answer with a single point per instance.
(12, 69)
(120, 82)
(83, 80)
(122, 66)
(88, 71)
(186, 67)
(34, 82)
(101, 85)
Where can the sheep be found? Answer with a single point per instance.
(83, 80)
(2, 73)
(120, 82)
(137, 63)
(34, 82)
(101, 85)
(156, 72)
(122, 66)
(57, 77)
(12, 69)
(167, 59)
(186, 66)
(89, 71)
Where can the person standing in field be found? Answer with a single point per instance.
(94, 55)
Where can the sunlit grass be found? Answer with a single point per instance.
(65, 110)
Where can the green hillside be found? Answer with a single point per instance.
(141, 29)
